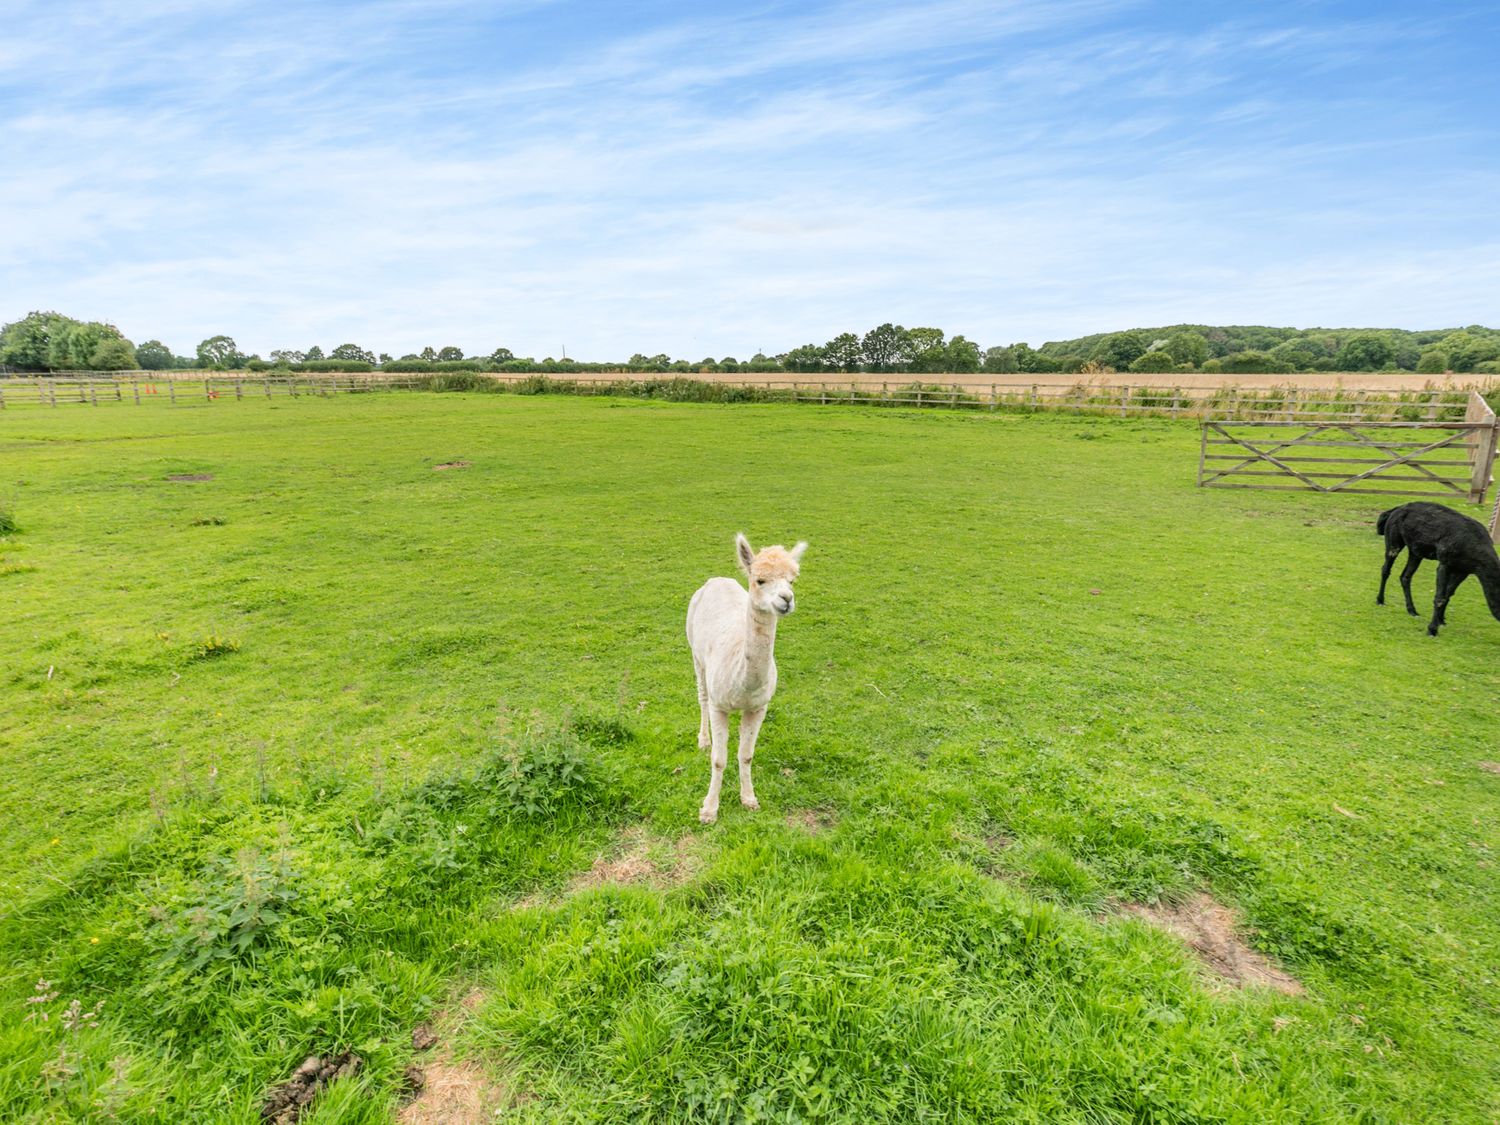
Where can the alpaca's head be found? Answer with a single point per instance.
(771, 571)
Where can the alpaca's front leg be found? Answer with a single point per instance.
(718, 759)
(1385, 573)
(749, 727)
(1412, 562)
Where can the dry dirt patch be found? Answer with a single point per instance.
(450, 465)
(639, 858)
(190, 476)
(812, 821)
(634, 857)
(1490, 767)
(450, 1093)
(1212, 931)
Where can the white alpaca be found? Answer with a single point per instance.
(732, 634)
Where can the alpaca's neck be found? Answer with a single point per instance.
(1488, 573)
(760, 640)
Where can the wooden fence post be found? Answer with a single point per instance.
(135, 389)
(94, 393)
(239, 389)
(172, 389)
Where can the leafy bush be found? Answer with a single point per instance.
(8, 525)
(1154, 361)
(1248, 363)
(333, 365)
(542, 774)
(236, 906)
(458, 365)
(407, 365)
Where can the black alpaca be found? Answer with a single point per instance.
(1461, 546)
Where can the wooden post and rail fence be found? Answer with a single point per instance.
(1437, 444)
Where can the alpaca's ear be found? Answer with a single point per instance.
(743, 551)
(796, 552)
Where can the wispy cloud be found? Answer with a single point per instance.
(591, 175)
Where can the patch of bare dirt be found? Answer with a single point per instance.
(1212, 931)
(813, 821)
(445, 1091)
(450, 465)
(287, 1102)
(1490, 767)
(451, 1093)
(190, 476)
(635, 857)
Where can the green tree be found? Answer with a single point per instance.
(1365, 351)
(354, 351)
(1001, 361)
(153, 355)
(1159, 360)
(314, 353)
(885, 348)
(809, 357)
(1466, 350)
(1187, 347)
(1432, 362)
(843, 352)
(1298, 354)
(113, 353)
(501, 355)
(962, 355)
(925, 349)
(24, 343)
(73, 345)
(217, 351)
(1250, 363)
(1119, 350)
(449, 354)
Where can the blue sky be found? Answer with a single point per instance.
(716, 178)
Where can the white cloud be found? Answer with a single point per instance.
(726, 182)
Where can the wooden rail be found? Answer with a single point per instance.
(1437, 458)
(1124, 400)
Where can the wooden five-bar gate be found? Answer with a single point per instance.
(1431, 451)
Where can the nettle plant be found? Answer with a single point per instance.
(235, 908)
(542, 774)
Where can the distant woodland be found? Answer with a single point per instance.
(49, 341)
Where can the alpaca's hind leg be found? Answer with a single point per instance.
(1412, 562)
(749, 728)
(1445, 586)
(1385, 572)
(705, 735)
(718, 759)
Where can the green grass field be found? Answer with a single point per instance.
(298, 756)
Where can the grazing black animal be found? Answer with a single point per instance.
(1461, 546)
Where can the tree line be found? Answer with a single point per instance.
(49, 341)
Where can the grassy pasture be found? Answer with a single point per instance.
(299, 755)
